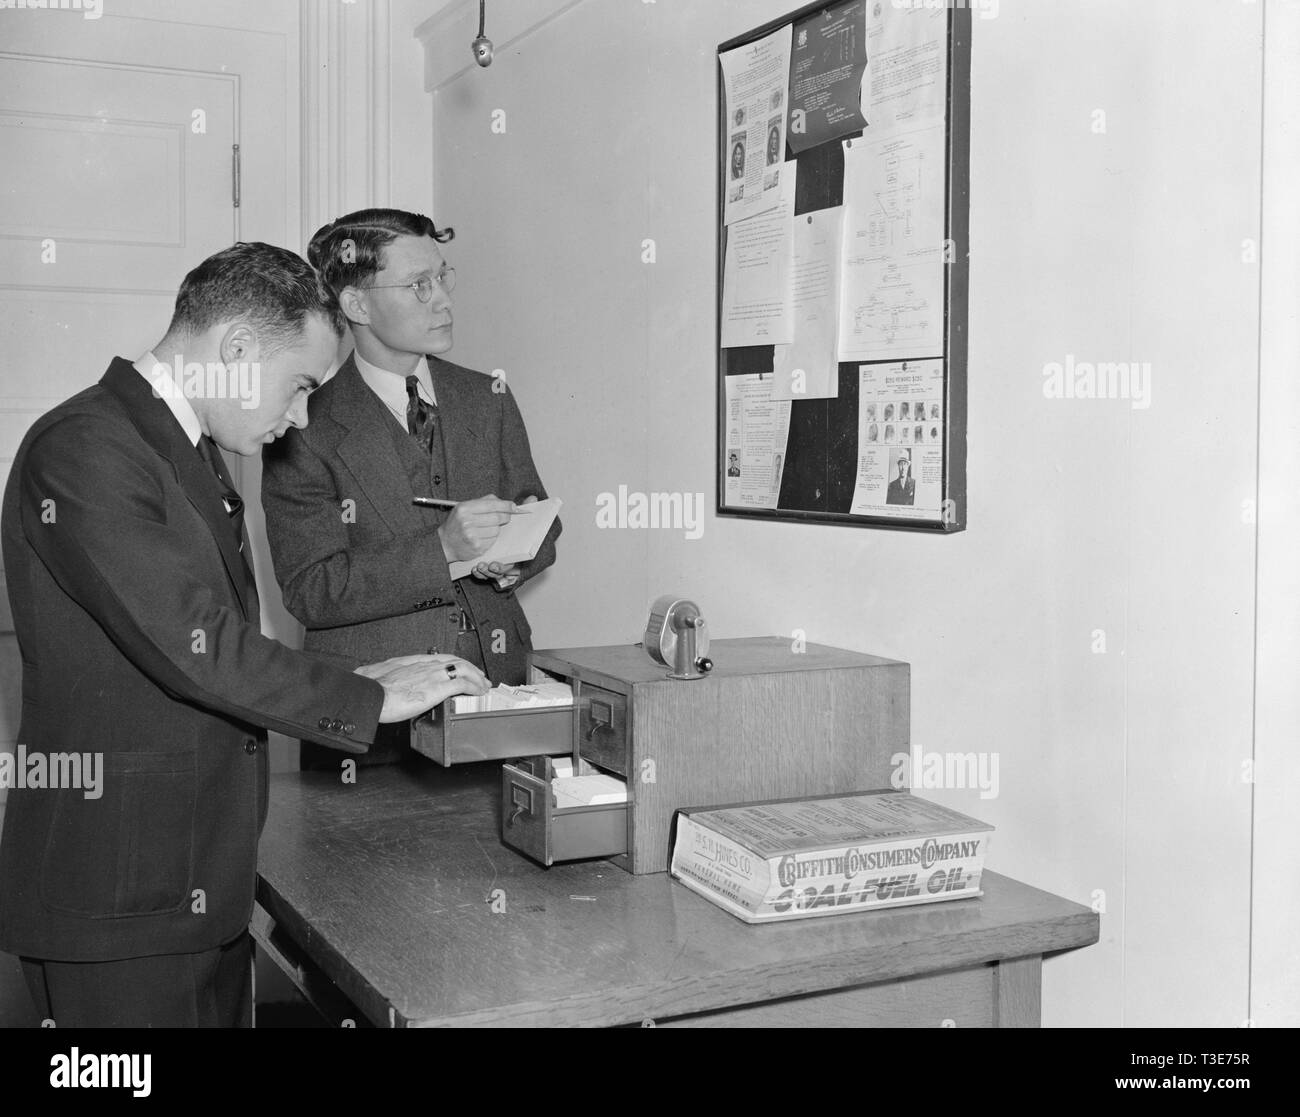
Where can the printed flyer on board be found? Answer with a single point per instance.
(900, 440)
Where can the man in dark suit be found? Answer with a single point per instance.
(363, 568)
(902, 490)
(137, 618)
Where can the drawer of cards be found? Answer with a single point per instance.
(553, 814)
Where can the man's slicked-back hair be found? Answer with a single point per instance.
(350, 251)
(272, 289)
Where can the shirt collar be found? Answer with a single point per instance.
(390, 387)
(169, 391)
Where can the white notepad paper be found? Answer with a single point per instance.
(520, 539)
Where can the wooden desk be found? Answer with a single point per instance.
(377, 899)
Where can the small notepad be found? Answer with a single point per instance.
(520, 539)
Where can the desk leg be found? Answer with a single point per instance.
(252, 983)
(316, 988)
(1017, 993)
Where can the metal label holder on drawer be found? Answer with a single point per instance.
(600, 729)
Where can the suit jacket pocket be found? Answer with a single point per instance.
(130, 851)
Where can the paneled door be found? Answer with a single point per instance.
(117, 141)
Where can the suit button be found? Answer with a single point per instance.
(336, 725)
(453, 617)
(324, 723)
(349, 729)
(437, 479)
(250, 746)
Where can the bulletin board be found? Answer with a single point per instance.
(833, 192)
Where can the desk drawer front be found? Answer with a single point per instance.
(531, 823)
(451, 738)
(601, 726)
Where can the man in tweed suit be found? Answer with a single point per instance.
(359, 564)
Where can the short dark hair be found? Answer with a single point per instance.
(350, 251)
(271, 288)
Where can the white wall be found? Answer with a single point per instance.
(1120, 772)
(410, 143)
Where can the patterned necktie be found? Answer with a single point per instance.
(421, 417)
(234, 503)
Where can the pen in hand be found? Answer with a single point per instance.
(437, 502)
(433, 502)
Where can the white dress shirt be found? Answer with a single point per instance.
(390, 387)
(165, 387)
(171, 393)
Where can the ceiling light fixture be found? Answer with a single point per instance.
(482, 46)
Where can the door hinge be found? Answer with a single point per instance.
(234, 173)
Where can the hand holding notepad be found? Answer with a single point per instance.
(518, 541)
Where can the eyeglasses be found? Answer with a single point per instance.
(423, 287)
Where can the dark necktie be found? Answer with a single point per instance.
(234, 503)
(421, 417)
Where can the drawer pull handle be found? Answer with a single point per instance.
(521, 803)
(596, 723)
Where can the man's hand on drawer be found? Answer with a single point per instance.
(415, 683)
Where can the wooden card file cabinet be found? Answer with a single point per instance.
(773, 720)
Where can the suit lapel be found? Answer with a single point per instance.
(369, 450)
(461, 434)
(158, 426)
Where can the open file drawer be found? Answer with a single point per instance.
(532, 824)
(451, 738)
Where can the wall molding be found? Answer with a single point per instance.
(1275, 882)
(346, 109)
